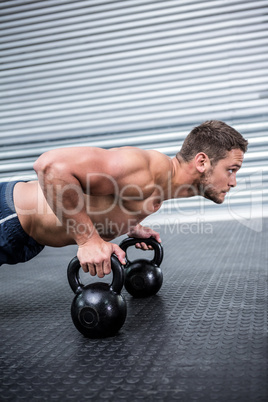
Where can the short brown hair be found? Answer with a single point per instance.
(214, 138)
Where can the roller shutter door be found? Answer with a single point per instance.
(110, 73)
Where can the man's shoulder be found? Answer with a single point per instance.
(130, 157)
(159, 162)
(139, 164)
(149, 155)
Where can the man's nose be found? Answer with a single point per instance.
(232, 182)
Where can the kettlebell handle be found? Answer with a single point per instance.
(158, 249)
(76, 284)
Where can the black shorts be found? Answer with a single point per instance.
(15, 245)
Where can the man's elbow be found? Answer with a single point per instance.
(45, 164)
(41, 164)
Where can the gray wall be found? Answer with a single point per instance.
(111, 73)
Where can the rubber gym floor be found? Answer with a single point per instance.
(203, 337)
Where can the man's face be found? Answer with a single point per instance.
(219, 179)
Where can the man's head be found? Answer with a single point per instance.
(215, 139)
(216, 150)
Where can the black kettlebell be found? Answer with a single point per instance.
(98, 309)
(143, 278)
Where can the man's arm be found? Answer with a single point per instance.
(66, 174)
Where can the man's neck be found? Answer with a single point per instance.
(184, 179)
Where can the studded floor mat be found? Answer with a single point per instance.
(203, 337)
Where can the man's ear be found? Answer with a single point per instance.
(202, 162)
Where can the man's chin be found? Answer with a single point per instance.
(218, 201)
(215, 199)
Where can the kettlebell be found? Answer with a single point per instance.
(98, 310)
(143, 278)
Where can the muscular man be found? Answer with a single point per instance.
(89, 196)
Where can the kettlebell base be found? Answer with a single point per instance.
(141, 294)
(97, 332)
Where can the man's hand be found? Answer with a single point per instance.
(95, 256)
(144, 233)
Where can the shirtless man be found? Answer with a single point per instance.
(89, 196)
